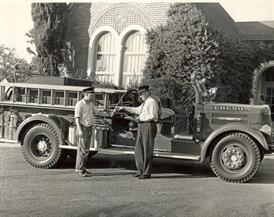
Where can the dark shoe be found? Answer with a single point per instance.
(136, 175)
(83, 173)
(144, 177)
(87, 172)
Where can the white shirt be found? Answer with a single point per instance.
(85, 112)
(147, 111)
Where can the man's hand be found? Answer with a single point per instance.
(117, 109)
(120, 108)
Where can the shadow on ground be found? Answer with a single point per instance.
(167, 168)
(265, 174)
(176, 168)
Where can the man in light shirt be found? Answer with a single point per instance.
(148, 113)
(85, 111)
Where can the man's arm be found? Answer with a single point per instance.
(78, 127)
(95, 110)
(134, 110)
(77, 115)
(100, 113)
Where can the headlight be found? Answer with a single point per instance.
(266, 129)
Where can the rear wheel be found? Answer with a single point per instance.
(235, 158)
(41, 147)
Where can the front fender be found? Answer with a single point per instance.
(257, 135)
(57, 123)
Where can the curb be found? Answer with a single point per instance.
(9, 145)
(269, 156)
(6, 143)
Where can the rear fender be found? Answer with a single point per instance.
(57, 123)
(257, 135)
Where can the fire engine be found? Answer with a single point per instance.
(39, 114)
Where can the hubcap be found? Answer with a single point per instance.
(41, 146)
(233, 157)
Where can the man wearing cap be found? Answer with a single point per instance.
(85, 111)
(147, 128)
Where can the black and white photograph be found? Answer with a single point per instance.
(143, 108)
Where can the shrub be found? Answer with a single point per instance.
(182, 46)
(188, 44)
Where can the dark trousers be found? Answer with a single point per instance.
(83, 146)
(144, 147)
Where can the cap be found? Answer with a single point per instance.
(142, 89)
(88, 90)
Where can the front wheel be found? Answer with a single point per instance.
(40, 147)
(235, 158)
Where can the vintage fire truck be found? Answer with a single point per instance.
(39, 115)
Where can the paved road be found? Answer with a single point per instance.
(177, 189)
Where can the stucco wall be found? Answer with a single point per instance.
(119, 16)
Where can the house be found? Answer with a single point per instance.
(109, 39)
(261, 33)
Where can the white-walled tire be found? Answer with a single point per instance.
(40, 147)
(235, 158)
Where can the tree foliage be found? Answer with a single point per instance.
(49, 34)
(12, 68)
(182, 46)
(188, 44)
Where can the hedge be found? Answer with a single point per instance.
(188, 44)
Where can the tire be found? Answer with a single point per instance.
(41, 147)
(261, 155)
(235, 158)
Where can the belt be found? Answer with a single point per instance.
(86, 127)
(142, 122)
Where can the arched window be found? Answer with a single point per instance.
(105, 58)
(134, 58)
(267, 89)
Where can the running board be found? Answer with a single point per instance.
(156, 154)
(2, 140)
(73, 147)
(186, 137)
(177, 156)
(115, 151)
(118, 150)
